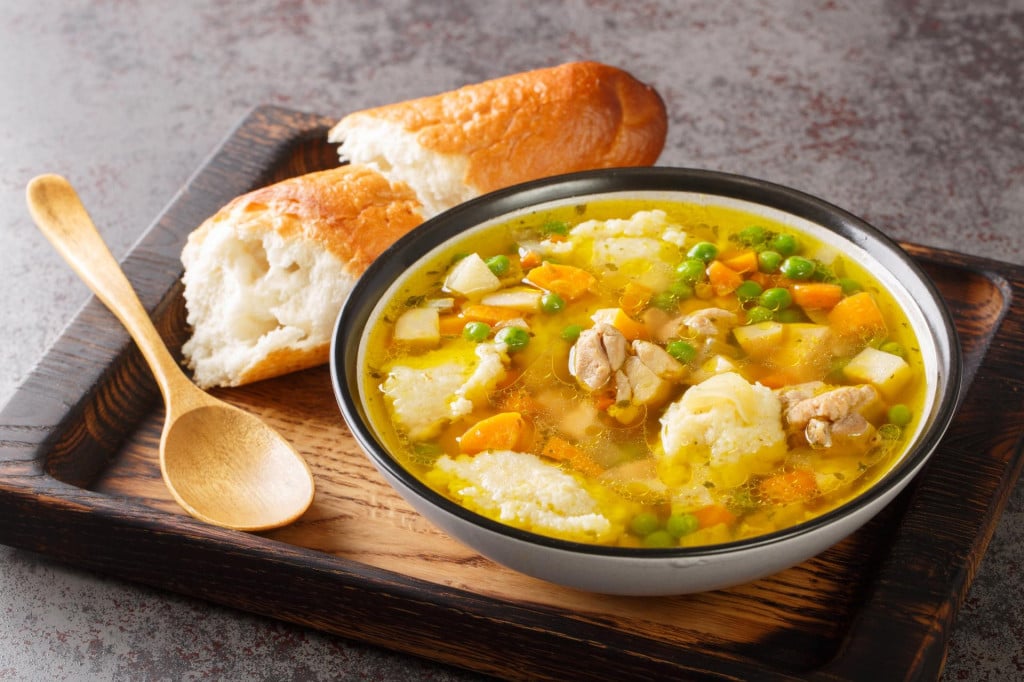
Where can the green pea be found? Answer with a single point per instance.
(476, 331)
(665, 300)
(644, 523)
(682, 351)
(899, 415)
(691, 270)
(784, 244)
(705, 251)
(797, 267)
(895, 348)
(659, 539)
(789, 315)
(769, 261)
(499, 264)
(679, 525)
(759, 314)
(890, 432)
(753, 235)
(776, 298)
(554, 227)
(515, 338)
(571, 332)
(681, 290)
(822, 273)
(551, 303)
(849, 286)
(748, 291)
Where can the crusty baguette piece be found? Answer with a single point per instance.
(454, 146)
(266, 275)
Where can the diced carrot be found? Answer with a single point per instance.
(561, 450)
(762, 278)
(603, 400)
(635, 297)
(816, 295)
(451, 325)
(491, 314)
(857, 316)
(722, 278)
(503, 431)
(714, 514)
(530, 259)
(788, 487)
(567, 281)
(742, 263)
(778, 379)
(617, 317)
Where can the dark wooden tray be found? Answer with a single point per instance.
(79, 482)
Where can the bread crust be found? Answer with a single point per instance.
(576, 116)
(351, 211)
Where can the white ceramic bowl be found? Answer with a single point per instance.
(642, 571)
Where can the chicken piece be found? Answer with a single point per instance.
(665, 328)
(599, 352)
(646, 387)
(850, 432)
(711, 322)
(623, 387)
(831, 405)
(658, 360)
(791, 395)
(656, 321)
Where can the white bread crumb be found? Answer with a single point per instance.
(253, 293)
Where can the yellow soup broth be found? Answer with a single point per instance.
(644, 373)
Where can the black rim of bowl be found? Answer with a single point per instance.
(591, 184)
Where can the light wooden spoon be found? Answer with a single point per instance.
(222, 465)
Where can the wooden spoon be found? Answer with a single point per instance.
(222, 465)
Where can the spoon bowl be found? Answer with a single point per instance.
(223, 465)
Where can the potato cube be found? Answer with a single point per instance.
(421, 326)
(523, 299)
(471, 277)
(759, 340)
(887, 372)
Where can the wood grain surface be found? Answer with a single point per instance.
(79, 481)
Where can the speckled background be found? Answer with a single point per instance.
(908, 113)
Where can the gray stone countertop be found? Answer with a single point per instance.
(907, 113)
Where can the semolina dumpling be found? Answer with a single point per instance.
(723, 420)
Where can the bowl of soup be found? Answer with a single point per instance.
(647, 381)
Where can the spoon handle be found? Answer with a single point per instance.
(60, 215)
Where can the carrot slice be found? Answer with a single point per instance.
(503, 431)
(722, 278)
(742, 263)
(714, 514)
(561, 450)
(451, 325)
(567, 281)
(816, 295)
(617, 317)
(530, 259)
(491, 314)
(788, 487)
(857, 316)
